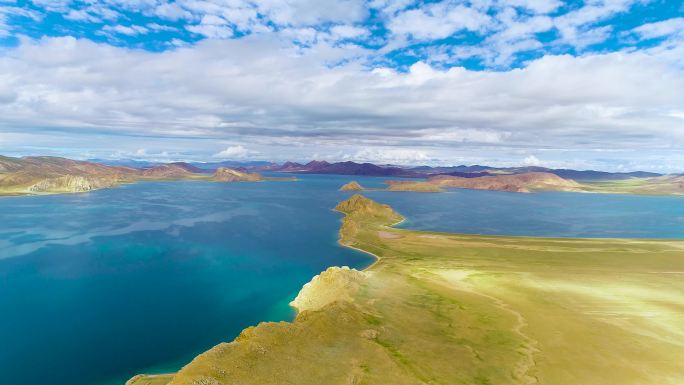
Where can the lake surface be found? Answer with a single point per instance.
(547, 214)
(97, 287)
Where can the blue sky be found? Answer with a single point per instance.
(585, 84)
(424, 28)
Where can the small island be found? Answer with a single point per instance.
(352, 186)
(224, 174)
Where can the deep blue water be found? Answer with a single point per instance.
(548, 214)
(97, 287)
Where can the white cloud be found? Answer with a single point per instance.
(399, 156)
(9, 11)
(284, 101)
(212, 26)
(531, 160)
(95, 13)
(233, 152)
(81, 15)
(310, 12)
(53, 5)
(389, 7)
(438, 21)
(463, 135)
(172, 11)
(507, 28)
(536, 6)
(4, 28)
(663, 28)
(577, 27)
(347, 32)
(131, 30)
(515, 34)
(158, 27)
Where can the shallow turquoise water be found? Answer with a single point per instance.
(97, 287)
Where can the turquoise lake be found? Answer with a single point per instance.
(97, 287)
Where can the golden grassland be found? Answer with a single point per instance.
(665, 185)
(75, 184)
(534, 182)
(439, 308)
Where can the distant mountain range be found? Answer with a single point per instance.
(44, 174)
(202, 166)
(370, 169)
(340, 168)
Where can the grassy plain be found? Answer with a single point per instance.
(440, 308)
(666, 185)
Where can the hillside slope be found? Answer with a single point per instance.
(526, 182)
(53, 175)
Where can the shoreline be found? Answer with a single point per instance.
(142, 376)
(376, 257)
(118, 185)
(370, 324)
(587, 190)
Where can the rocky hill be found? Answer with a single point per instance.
(225, 174)
(362, 209)
(352, 186)
(33, 175)
(171, 171)
(526, 182)
(52, 175)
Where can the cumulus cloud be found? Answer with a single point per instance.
(399, 156)
(347, 32)
(578, 27)
(531, 160)
(125, 30)
(233, 152)
(94, 14)
(53, 5)
(296, 77)
(665, 28)
(260, 90)
(212, 27)
(505, 31)
(172, 12)
(537, 6)
(8, 11)
(438, 21)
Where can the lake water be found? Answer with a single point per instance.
(97, 287)
(547, 214)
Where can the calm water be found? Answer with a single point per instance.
(550, 214)
(97, 287)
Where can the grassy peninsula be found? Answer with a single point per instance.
(440, 308)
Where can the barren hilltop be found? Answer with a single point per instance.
(525, 182)
(352, 186)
